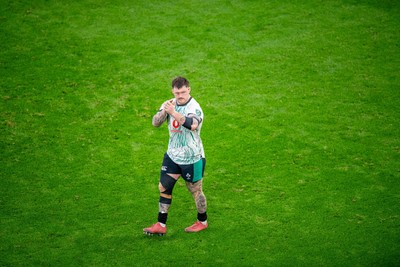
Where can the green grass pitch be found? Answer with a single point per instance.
(301, 131)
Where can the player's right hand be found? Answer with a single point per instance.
(169, 106)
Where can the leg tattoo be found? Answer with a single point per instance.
(163, 208)
(198, 195)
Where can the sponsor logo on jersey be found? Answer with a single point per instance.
(176, 125)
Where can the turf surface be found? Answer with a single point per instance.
(301, 131)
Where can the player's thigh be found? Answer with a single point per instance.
(195, 188)
(170, 168)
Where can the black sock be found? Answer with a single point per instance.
(202, 216)
(162, 217)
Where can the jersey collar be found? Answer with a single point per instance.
(185, 103)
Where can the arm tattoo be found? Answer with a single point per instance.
(159, 118)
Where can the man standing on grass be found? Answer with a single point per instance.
(184, 157)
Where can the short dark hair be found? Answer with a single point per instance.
(179, 82)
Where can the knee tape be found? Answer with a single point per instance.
(167, 182)
(164, 200)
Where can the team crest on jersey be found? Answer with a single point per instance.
(198, 112)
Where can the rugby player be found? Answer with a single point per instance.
(184, 157)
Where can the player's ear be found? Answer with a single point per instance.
(189, 89)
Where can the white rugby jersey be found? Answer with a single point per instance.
(185, 146)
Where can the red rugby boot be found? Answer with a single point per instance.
(155, 229)
(196, 227)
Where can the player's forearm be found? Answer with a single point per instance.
(187, 122)
(159, 118)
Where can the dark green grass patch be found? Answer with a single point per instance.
(301, 132)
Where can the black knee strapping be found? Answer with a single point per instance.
(165, 200)
(167, 182)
